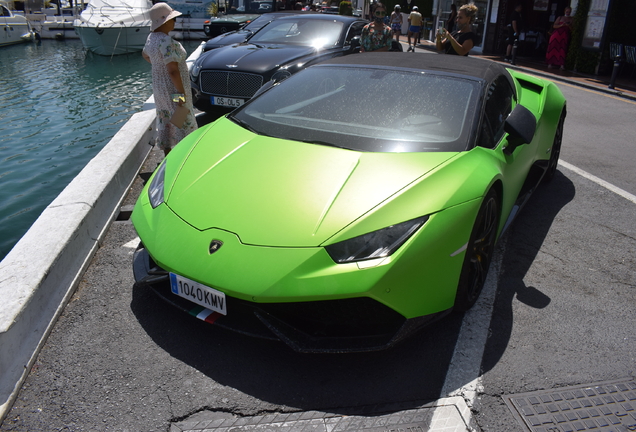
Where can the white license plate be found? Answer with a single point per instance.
(198, 293)
(227, 102)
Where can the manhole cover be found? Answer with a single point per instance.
(601, 407)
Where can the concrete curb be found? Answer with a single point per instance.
(460, 418)
(41, 272)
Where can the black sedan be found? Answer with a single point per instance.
(243, 34)
(229, 76)
(333, 10)
(227, 23)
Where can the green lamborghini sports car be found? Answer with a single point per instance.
(352, 203)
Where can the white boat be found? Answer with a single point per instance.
(14, 28)
(188, 28)
(111, 27)
(53, 23)
(189, 25)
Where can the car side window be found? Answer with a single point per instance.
(354, 30)
(498, 106)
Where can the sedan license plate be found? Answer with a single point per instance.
(227, 102)
(198, 293)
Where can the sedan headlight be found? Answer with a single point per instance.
(155, 190)
(195, 70)
(377, 244)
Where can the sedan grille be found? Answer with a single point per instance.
(230, 84)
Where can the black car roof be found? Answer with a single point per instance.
(477, 68)
(278, 14)
(323, 17)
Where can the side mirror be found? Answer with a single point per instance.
(520, 125)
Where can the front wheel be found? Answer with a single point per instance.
(479, 252)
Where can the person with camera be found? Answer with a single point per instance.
(463, 39)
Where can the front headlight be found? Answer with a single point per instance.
(195, 70)
(378, 244)
(155, 190)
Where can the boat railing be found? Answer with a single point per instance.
(116, 15)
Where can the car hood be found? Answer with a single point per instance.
(254, 58)
(275, 192)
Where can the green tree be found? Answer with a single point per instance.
(345, 8)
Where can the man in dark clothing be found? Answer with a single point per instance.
(515, 28)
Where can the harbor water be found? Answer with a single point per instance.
(59, 106)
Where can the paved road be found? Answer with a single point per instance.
(567, 291)
(120, 359)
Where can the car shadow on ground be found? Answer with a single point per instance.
(412, 372)
(525, 239)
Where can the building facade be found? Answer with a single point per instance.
(605, 22)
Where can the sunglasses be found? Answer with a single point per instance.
(380, 13)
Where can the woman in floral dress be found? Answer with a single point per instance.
(170, 82)
(376, 36)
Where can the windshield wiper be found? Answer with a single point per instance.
(243, 124)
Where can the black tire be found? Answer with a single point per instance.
(556, 151)
(479, 252)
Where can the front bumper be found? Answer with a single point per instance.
(328, 326)
(201, 101)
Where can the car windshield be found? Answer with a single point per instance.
(367, 109)
(257, 23)
(316, 33)
(250, 7)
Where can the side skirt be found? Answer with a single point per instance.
(537, 171)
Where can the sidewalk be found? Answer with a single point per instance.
(624, 87)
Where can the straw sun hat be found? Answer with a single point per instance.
(160, 14)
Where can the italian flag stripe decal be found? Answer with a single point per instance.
(204, 314)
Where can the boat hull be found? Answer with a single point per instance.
(49, 25)
(14, 29)
(53, 27)
(113, 40)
